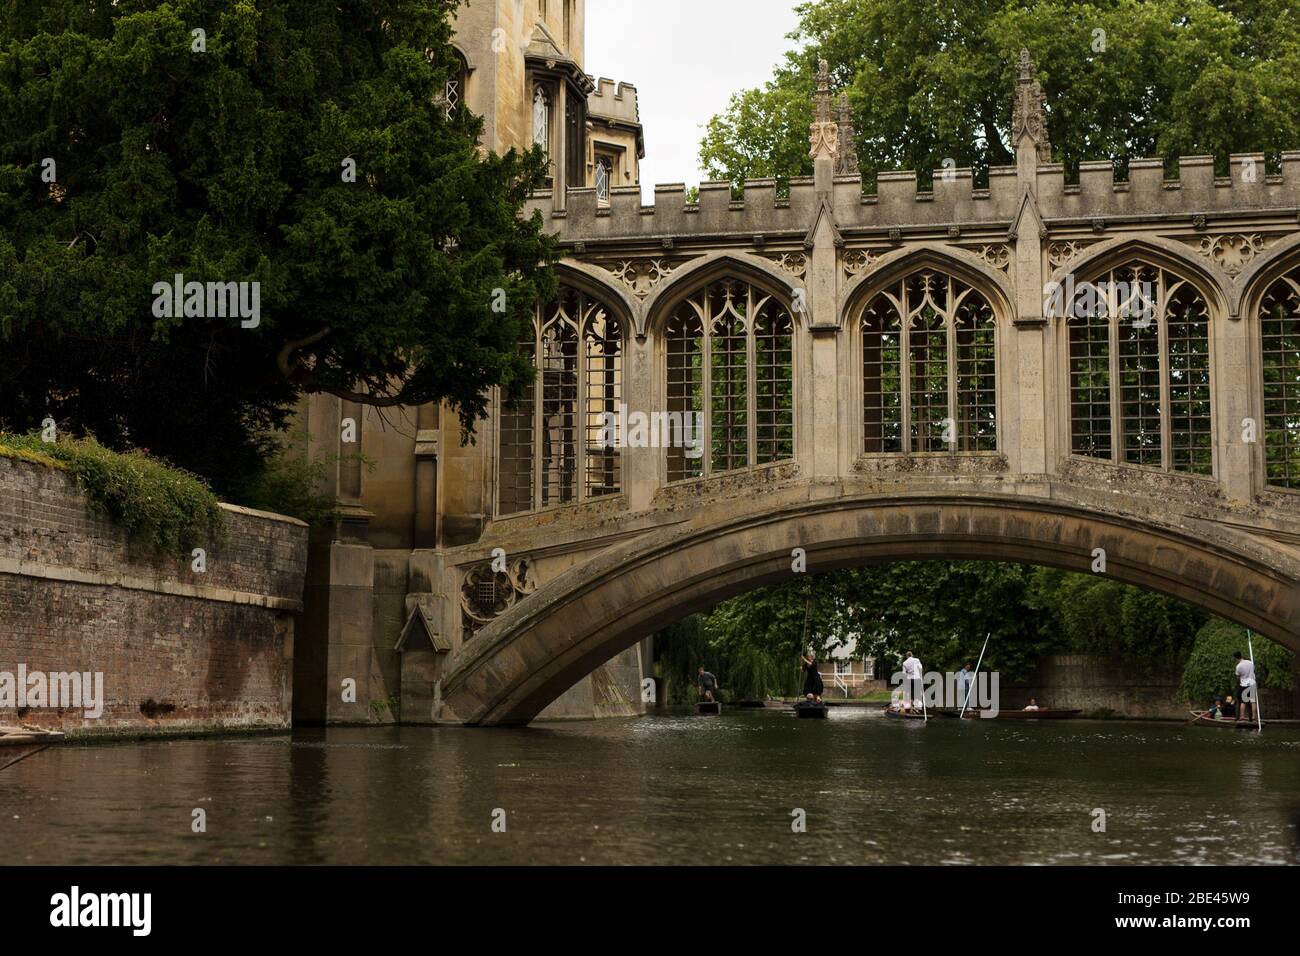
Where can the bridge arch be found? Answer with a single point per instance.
(533, 652)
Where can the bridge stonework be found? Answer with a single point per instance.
(884, 377)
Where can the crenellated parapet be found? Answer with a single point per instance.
(1196, 196)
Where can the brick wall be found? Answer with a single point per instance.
(178, 650)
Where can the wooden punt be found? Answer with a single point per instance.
(809, 709)
(708, 707)
(905, 715)
(1029, 714)
(23, 741)
(1220, 723)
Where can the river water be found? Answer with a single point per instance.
(670, 788)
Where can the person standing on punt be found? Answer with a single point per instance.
(1247, 687)
(812, 682)
(707, 682)
(912, 678)
(965, 677)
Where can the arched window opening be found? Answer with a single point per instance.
(928, 368)
(1279, 319)
(563, 449)
(730, 379)
(1140, 370)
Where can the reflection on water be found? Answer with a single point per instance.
(669, 789)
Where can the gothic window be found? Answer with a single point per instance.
(604, 173)
(730, 376)
(454, 92)
(1140, 369)
(559, 449)
(928, 369)
(1279, 318)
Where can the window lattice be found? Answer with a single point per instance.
(1279, 315)
(685, 344)
(1140, 370)
(558, 450)
(928, 368)
(730, 358)
(515, 461)
(773, 384)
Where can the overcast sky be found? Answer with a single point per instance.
(685, 58)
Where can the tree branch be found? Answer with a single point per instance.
(283, 361)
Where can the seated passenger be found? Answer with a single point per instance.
(1229, 708)
(1033, 704)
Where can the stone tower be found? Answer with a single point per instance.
(387, 596)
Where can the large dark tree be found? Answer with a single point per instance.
(224, 156)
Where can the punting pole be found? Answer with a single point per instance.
(970, 686)
(1250, 645)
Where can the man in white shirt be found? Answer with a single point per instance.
(1248, 689)
(912, 677)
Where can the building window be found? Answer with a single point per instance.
(928, 368)
(542, 118)
(1140, 370)
(604, 174)
(1279, 318)
(730, 372)
(453, 94)
(560, 450)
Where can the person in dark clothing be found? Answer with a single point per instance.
(707, 684)
(812, 682)
(1230, 708)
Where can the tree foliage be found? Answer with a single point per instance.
(940, 610)
(1211, 669)
(930, 81)
(227, 163)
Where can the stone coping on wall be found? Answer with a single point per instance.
(49, 530)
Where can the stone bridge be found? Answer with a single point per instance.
(1094, 374)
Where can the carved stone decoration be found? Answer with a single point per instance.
(795, 263)
(1028, 117)
(996, 254)
(859, 260)
(640, 276)
(1232, 252)
(485, 594)
(1059, 253)
(522, 576)
(847, 164)
(824, 131)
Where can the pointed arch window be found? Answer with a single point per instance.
(554, 446)
(1139, 367)
(929, 379)
(730, 378)
(1279, 320)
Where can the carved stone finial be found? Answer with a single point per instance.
(847, 165)
(1028, 117)
(824, 132)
